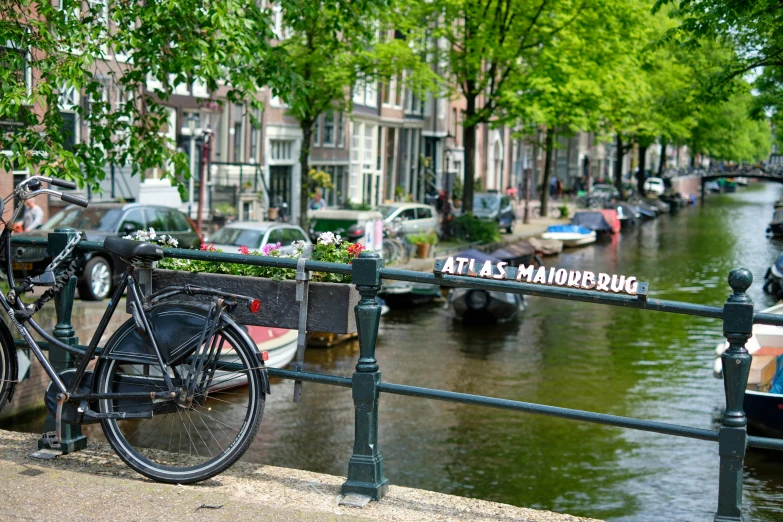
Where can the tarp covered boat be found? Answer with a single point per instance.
(601, 221)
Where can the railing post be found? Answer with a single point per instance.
(733, 436)
(72, 437)
(365, 469)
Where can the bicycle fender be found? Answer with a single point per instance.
(10, 348)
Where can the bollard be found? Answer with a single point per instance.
(733, 436)
(72, 437)
(365, 469)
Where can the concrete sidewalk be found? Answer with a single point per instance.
(94, 484)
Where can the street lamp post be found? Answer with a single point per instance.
(191, 181)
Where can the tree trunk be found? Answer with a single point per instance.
(642, 168)
(618, 165)
(469, 136)
(304, 158)
(549, 145)
(662, 164)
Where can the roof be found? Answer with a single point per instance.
(404, 204)
(258, 225)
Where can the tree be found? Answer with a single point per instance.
(71, 50)
(331, 46)
(488, 43)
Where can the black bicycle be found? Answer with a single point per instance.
(179, 389)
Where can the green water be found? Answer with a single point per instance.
(612, 360)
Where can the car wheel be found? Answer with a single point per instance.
(96, 280)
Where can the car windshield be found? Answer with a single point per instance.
(237, 237)
(485, 202)
(103, 219)
(386, 210)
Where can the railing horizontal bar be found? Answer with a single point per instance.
(573, 294)
(773, 319)
(554, 411)
(765, 443)
(320, 378)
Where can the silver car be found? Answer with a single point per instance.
(255, 234)
(415, 218)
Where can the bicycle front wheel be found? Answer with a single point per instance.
(186, 444)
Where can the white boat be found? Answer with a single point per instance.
(763, 409)
(279, 343)
(570, 235)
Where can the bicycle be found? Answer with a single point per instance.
(178, 389)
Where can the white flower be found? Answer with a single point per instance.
(328, 238)
(152, 233)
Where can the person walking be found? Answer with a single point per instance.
(33, 217)
(318, 202)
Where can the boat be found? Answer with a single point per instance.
(600, 221)
(519, 253)
(712, 187)
(627, 215)
(776, 225)
(570, 235)
(546, 247)
(773, 279)
(646, 211)
(763, 402)
(404, 294)
(473, 305)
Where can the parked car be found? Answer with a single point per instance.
(101, 270)
(414, 218)
(495, 206)
(350, 224)
(654, 186)
(255, 234)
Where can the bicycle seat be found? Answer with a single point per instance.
(128, 248)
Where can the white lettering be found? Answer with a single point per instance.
(502, 270)
(603, 282)
(448, 266)
(486, 270)
(527, 271)
(540, 275)
(631, 285)
(551, 276)
(588, 280)
(461, 262)
(573, 278)
(471, 270)
(617, 283)
(561, 277)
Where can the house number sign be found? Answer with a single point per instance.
(542, 275)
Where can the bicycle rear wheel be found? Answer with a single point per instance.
(186, 444)
(8, 366)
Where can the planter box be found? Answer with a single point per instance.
(330, 305)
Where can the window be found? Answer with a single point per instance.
(276, 235)
(255, 139)
(358, 92)
(134, 220)
(292, 234)
(407, 214)
(423, 213)
(317, 130)
(366, 93)
(179, 222)
(15, 59)
(329, 128)
(159, 219)
(355, 142)
(340, 130)
(237, 237)
(280, 149)
(369, 131)
(239, 133)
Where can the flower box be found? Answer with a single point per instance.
(330, 305)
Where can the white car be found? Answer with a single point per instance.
(654, 186)
(415, 218)
(255, 234)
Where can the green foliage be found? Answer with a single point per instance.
(220, 43)
(429, 238)
(350, 205)
(469, 228)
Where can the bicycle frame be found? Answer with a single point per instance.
(127, 281)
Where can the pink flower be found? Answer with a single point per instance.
(209, 247)
(243, 250)
(269, 248)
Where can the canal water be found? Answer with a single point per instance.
(619, 361)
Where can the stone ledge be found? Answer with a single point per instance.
(94, 484)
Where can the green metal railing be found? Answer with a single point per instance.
(365, 467)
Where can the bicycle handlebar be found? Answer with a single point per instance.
(76, 200)
(61, 183)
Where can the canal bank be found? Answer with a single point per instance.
(94, 484)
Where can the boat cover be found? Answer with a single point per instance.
(627, 211)
(646, 210)
(517, 250)
(593, 220)
(478, 256)
(611, 217)
(570, 229)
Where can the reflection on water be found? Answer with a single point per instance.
(612, 360)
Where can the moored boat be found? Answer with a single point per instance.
(473, 305)
(404, 294)
(773, 279)
(776, 225)
(627, 215)
(600, 221)
(570, 235)
(763, 404)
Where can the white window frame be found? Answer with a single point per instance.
(28, 71)
(340, 129)
(331, 142)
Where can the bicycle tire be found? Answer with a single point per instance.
(8, 366)
(390, 250)
(131, 439)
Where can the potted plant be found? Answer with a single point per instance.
(424, 243)
(331, 296)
